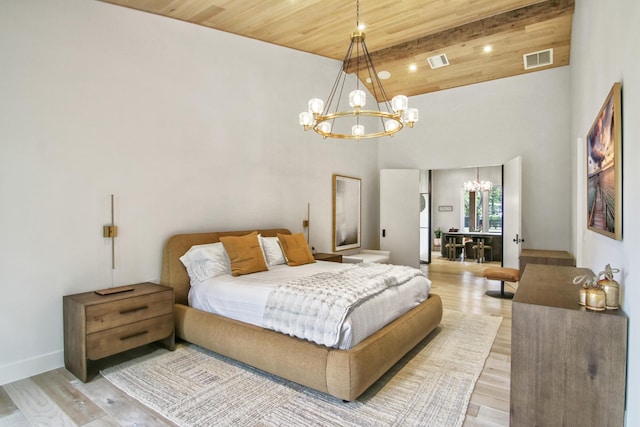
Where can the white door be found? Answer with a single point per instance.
(400, 215)
(425, 234)
(511, 213)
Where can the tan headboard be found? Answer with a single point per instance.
(173, 272)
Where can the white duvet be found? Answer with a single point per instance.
(244, 298)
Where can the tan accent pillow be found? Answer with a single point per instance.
(245, 254)
(296, 249)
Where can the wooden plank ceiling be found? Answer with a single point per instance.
(398, 33)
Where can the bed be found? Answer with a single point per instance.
(344, 374)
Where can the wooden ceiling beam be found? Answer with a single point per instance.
(516, 19)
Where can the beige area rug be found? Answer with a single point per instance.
(430, 386)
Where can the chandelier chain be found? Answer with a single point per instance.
(357, 53)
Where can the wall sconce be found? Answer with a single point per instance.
(111, 231)
(305, 222)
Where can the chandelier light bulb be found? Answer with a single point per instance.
(357, 98)
(306, 119)
(470, 186)
(485, 185)
(357, 130)
(324, 127)
(399, 103)
(410, 116)
(316, 105)
(391, 125)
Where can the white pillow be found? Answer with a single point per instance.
(272, 250)
(206, 261)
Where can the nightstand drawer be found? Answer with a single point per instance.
(123, 312)
(112, 341)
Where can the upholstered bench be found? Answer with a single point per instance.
(368, 255)
(504, 274)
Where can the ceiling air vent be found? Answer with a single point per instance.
(438, 61)
(538, 59)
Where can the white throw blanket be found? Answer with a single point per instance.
(315, 307)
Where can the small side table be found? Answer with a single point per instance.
(97, 326)
(328, 257)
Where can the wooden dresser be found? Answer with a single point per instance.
(543, 256)
(568, 364)
(97, 326)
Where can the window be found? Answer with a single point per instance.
(495, 209)
(487, 205)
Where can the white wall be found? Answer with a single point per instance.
(191, 129)
(604, 50)
(490, 123)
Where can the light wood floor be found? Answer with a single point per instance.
(57, 398)
(461, 286)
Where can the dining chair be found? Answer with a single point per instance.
(452, 245)
(483, 244)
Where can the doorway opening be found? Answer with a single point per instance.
(464, 218)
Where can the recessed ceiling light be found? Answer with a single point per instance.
(382, 75)
(413, 67)
(488, 48)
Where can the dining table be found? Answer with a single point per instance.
(470, 238)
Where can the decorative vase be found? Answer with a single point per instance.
(596, 299)
(611, 288)
(583, 296)
(612, 292)
(587, 282)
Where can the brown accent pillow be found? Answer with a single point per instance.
(295, 249)
(245, 254)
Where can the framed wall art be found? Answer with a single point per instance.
(346, 212)
(604, 168)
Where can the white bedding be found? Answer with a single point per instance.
(243, 298)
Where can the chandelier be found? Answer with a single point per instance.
(329, 121)
(477, 185)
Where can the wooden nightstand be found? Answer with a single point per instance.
(328, 257)
(97, 326)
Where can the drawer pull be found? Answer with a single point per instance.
(128, 337)
(132, 310)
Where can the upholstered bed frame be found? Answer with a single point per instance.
(345, 374)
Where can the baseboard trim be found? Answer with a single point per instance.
(29, 367)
